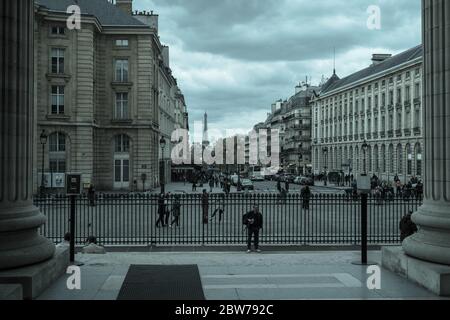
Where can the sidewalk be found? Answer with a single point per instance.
(241, 276)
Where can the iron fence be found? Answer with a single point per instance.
(130, 220)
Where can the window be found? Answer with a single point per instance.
(383, 158)
(399, 95)
(407, 93)
(383, 123)
(121, 70)
(418, 160)
(399, 159)
(121, 111)
(408, 119)
(391, 121)
(57, 99)
(58, 61)
(122, 43)
(383, 99)
(409, 159)
(122, 144)
(57, 152)
(58, 30)
(417, 91)
(391, 97)
(417, 118)
(399, 120)
(375, 125)
(391, 158)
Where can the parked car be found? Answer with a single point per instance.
(304, 181)
(247, 184)
(288, 178)
(257, 177)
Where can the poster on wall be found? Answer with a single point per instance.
(59, 180)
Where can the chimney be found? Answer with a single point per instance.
(148, 18)
(125, 5)
(378, 58)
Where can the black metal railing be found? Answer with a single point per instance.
(130, 220)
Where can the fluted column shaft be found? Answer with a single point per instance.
(432, 242)
(20, 243)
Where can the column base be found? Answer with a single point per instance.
(35, 279)
(432, 276)
(432, 242)
(20, 242)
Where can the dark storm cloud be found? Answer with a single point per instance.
(235, 57)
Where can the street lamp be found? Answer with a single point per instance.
(325, 153)
(162, 178)
(365, 146)
(43, 138)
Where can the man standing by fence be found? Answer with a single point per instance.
(254, 222)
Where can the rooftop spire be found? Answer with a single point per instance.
(334, 60)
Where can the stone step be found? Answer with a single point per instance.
(11, 292)
(36, 278)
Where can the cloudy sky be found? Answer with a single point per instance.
(233, 58)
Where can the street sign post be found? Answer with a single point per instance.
(73, 189)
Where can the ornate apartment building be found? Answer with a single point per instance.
(292, 119)
(98, 95)
(379, 107)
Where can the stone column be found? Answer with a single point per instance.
(20, 243)
(432, 242)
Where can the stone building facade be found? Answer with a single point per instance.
(380, 105)
(97, 95)
(292, 119)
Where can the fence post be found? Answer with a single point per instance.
(72, 228)
(364, 201)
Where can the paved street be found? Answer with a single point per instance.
(130, 220)
(260, 187)
(240, 276)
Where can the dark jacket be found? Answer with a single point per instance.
(161, 206)
(253, 220)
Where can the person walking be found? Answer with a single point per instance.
(286, 186)
(167, 213)
(161, 210)
(205, 206)
(253, 220)
(211, 185)
(176, 211)
(194, 185)
(279, 186)
(306, 196)
(220, 208)
(91, 195)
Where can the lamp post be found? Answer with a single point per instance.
(365, 146)
(325, 167)
(43, 138)
(162, 176)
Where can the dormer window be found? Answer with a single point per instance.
(122, 43)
